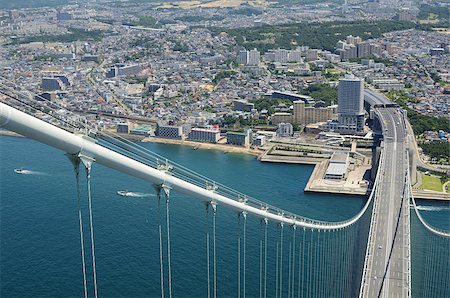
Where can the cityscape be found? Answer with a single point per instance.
(303, 105)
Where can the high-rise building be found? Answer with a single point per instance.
(254, 57)
(350, 104)
(363, 49)
(299, 111)
(243, 57)
(295, 56)
(281, 55)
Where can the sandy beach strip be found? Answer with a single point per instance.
(199, 145)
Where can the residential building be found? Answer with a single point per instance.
(169, 131)
(211, 135)
(254, 58)
(239, 138)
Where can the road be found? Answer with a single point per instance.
(387, 261)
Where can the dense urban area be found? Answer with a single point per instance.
(281, 80)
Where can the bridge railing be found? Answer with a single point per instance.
(373, 219)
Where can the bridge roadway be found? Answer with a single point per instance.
(386, 272)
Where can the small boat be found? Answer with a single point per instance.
(21, 171)
(124, 193)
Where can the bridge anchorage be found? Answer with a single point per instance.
(324, 259)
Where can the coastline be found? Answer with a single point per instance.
(262, 156)
(210, 146)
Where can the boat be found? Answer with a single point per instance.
(21, 171)
(124, 193)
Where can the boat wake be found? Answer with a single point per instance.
(133, 194)
(28, 172)
(432, 208)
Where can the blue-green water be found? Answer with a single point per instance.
(40, 249)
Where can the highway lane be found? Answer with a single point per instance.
(387, 260)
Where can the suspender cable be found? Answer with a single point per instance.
(80, 221)
(260, 265)
(260, 268)
(214, 249)
(207, 251)
(265, 257)
(293, 262)
(276, 272)
(320, 266)
(326, 283)
(301, 272)
(289, 269)
(161, 270)
(310, 254)
(169, 273)
(317, 259)
(88, 175)
(281, 260)
(244, 261)
(239, 257)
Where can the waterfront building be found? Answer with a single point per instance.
(338, 166)
(211, 135)
(142, 130)
(239, 138)
(259, 140)
(350, 104)
(169, 131)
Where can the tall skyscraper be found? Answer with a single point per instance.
(351, 104)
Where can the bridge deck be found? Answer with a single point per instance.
(387, 261)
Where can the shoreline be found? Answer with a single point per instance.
(209, 146)
(262, 156)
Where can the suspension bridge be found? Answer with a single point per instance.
(322, 256)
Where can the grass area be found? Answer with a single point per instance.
(430, 182)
